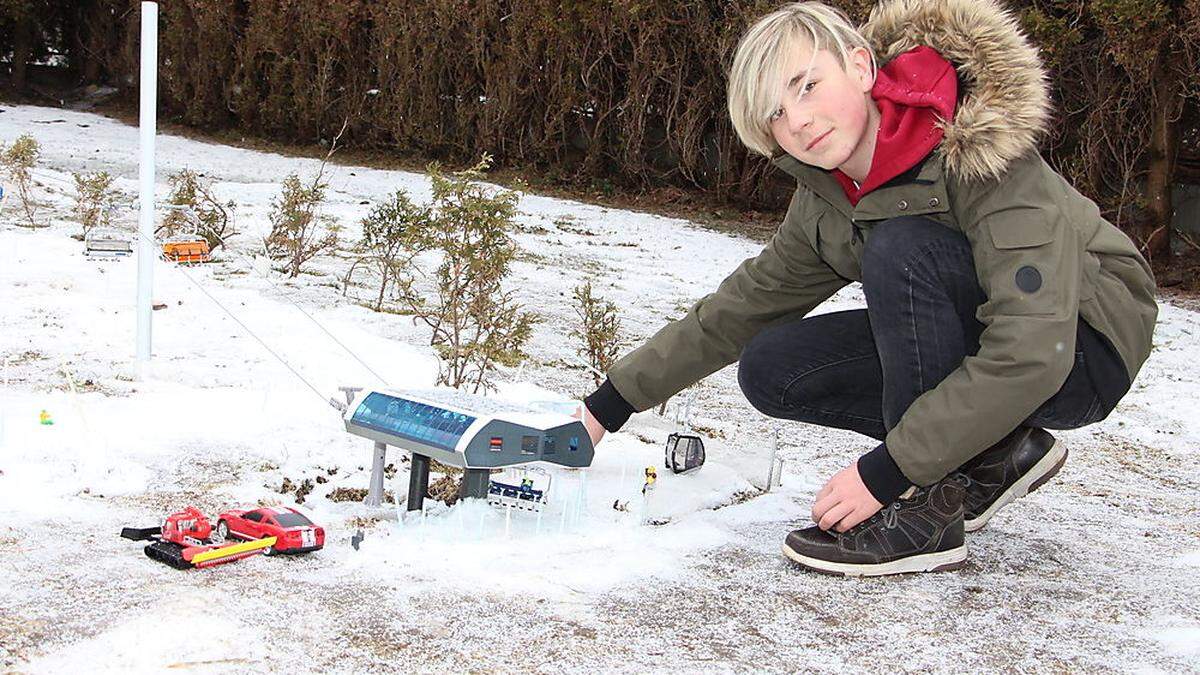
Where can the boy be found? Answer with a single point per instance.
(999, 302)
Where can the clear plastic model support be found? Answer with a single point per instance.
(775, 470)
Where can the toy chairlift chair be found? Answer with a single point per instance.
(188, 247)
(102, 243)
(107, 242)
(685, 451)
(515, 489)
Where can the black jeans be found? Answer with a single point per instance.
(861, 369)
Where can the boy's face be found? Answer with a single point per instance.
(827, 125)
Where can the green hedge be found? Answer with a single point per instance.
(630, 92)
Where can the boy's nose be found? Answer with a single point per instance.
(798, 119)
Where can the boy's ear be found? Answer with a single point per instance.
(860, 67)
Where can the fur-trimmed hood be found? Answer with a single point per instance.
(1004, 93)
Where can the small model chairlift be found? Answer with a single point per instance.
(186, 247)
(107, 243)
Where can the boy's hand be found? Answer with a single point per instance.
(844, 501)
(595, 431)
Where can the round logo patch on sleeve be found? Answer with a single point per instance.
(1029, 279)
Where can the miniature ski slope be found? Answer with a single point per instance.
(1096, 571)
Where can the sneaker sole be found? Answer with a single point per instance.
(941, 561)
(1043, 471)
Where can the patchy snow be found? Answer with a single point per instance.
(1179, 635)
(136, 643)
(1097, 570)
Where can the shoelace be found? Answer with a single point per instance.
(890, 515)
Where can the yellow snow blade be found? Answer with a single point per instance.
(226, 551)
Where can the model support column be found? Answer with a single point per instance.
(147, 127)
(418, 482)
(475, 483)
(375, 489)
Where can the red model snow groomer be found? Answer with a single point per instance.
(184, 541)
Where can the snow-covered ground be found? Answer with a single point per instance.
(1096, 571)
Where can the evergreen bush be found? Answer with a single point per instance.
(299, 229)
(95, 200)
(390, 239)
(17, 161)
(477, 325)
(198, 208)
(599, 329)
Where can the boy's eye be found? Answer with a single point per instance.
(809, 87)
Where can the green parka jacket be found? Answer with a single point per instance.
(987, 180)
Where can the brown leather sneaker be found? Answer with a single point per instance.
(920, 533)
(1019, 464)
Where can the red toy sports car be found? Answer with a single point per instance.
(293, 531)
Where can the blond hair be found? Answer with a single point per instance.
(762, 54)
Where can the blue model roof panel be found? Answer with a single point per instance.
(415, 421)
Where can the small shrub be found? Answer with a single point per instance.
(437, 467)
(599, 329)
(18, 161)
(208, 215)
(304, 490)
(477, 325)
(299, 231)
(348, 494)
(95, 200)
(445, 489)
(362, 522)
(389, 243)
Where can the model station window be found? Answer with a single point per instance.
(529, 445)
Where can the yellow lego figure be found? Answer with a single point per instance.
(651, 478)
(44, 418)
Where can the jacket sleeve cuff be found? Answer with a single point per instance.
(882, 476)
(609, 408)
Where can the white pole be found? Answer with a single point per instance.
(148, 84)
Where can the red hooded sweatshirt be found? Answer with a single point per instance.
(911, 91)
